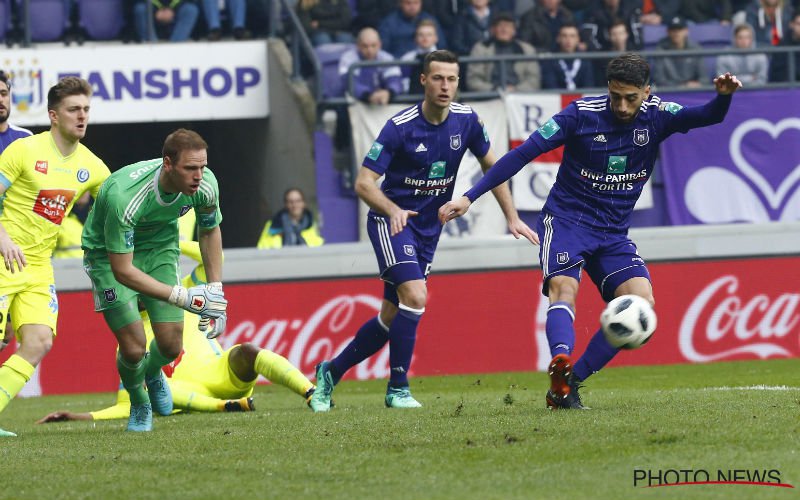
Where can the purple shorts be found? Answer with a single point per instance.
(566, 249)
(403, 257)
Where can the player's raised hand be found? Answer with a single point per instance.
(206, 300)
(399, 218)
(453, 209)
(727, 84)
(520, 229)
(11, 253)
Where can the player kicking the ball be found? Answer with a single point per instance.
(610, 145)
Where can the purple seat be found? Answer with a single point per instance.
(711, 35)
(5, 18)
(329, 54)
(652, 34)
(47, 18)
(102, 19)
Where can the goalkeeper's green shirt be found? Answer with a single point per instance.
(132, 212)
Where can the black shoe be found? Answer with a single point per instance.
(242, 34)
(243, 404)
(215, 35)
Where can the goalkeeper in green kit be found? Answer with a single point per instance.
(130, 245)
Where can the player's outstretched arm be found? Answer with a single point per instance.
(727, 84)
(63, 416)
(368, 191)
(502, 194)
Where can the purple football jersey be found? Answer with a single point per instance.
(420, 160)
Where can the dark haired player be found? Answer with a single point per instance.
(610, 145)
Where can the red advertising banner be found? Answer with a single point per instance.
(476, 322)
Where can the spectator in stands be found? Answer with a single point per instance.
(174, 20)
(595, 31)
(237, 14)
(397, 29)
(749, 68)
(580, 8)
(768, 19)
(619, 38)
(680, 71)
(779, 68)
(471, 27)
(539, 26)
(569, 72)
(426, 39)
(521, 75)
(370, 13)
(293, 225)
(326, 21)
(655, 12)
(372, 84)
(707, 11)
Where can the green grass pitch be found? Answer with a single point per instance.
(478, 436)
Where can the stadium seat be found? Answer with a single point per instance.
(711, 35)
(329, 54)
(47, 18)
(5, 18)
(102, 19)
(652, 34)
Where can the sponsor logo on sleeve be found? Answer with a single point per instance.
(671, 107)
(129, 239)
(375, 151)
(549, 129)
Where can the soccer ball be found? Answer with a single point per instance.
(628, 322)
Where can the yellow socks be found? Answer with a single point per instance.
(278, 370)
(14, 374)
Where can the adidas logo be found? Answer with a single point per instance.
(421, 148)
(600, 138)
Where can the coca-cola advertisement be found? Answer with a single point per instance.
(475, 322)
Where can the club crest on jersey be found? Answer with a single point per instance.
(41, 166)
(455, 142)
(641, 136)
(437, 170)
(617, 164)
(184, 210)
(408, 250)
(562, 257)
(110, 295)
(83, 175)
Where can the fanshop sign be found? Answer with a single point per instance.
(725, 310)
(144, 83)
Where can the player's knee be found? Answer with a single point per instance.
(415, 298)
(248, 352)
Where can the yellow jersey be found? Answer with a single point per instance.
(41, 187)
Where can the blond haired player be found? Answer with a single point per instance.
(41, 176)
(205, 377)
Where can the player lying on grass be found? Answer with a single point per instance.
(204, 377)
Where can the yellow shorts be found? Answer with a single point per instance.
(29, 296)
(212, 375)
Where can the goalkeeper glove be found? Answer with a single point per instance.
(217, 326)
(207, 300)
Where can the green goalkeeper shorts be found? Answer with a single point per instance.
(111, 296)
